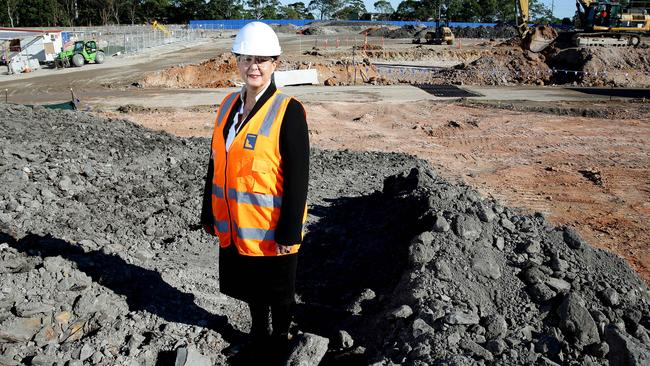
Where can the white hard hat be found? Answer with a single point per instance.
(256, 39)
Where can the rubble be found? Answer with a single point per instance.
(113, 268)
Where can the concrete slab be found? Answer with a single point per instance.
(296, 77)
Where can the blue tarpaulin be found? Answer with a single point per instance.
(239, 23)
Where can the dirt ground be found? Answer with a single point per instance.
(591, 173)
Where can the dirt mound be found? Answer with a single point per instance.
(222, 72)
(412, 31)
(602, 66)
(103, 260)
(511, 66)
(333, 27)
(477, 282)
(218, 72)
(406, 31)
(484, 32)
(285, 28)
(496, 67)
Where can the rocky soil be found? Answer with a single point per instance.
(413, 31)
(104, 263)
(222, 72)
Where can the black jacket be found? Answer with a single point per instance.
(294, 150)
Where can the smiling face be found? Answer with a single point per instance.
(256, 71)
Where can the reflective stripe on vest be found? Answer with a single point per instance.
(247, 183)
(251, 233)
(222, 226)
(270, 115)
(217, 191)
(257, 199)
(225, 107)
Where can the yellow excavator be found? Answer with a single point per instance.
(598, 23)
(160, 27)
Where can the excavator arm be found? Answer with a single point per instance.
(522, 17)
(533, 39)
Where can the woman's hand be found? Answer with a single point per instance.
(283, 249)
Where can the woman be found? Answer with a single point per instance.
(256, 188)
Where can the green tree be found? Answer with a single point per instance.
(224, 9)
(132, 9)
(270, 8)
(406, 10)
(295, 11)
(539, 12)
(37, 13)
(384, 7)
(155, 10)
(352, 9)
(11, 8)
(263, 9)
(182, 11)
(325, 8)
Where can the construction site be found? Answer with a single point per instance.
(472, 202)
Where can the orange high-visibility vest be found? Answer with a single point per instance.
(247, 181)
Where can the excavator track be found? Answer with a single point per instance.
(616, 39)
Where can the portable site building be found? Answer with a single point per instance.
(43, 45)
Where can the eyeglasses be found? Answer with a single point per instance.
(248, 60)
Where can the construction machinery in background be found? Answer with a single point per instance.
(441, 35)
(81, 53)
(157, 26)
(597, 23)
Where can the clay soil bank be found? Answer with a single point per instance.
(591, 173)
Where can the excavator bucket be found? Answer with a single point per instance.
(538, 38)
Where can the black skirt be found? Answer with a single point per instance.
(260, 280)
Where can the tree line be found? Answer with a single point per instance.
(67, 13)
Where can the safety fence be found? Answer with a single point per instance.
(132, 38)
(239, 23)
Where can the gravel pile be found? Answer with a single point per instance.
(602, 66)
(485, 32)
(103, 262)
(333, 27)
(413, 31)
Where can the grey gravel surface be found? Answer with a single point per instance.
(103, 262)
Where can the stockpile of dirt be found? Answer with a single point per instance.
(406, 31)
(103, 261)
(333, 27)
(412, 31)
(602, 66)
(497, 67)
(218, 72)
(285, 28)
(222, 72)
(484, 32)
(505, 67)
(489, 284)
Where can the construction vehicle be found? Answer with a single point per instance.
(442, 35)
(598, 23)
(157, 26)
(82, 52)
